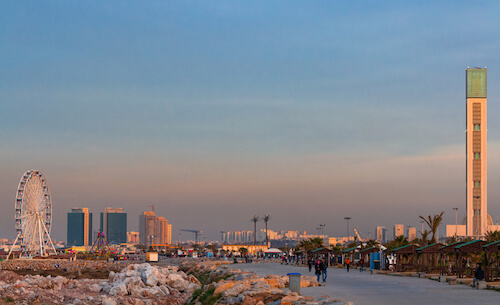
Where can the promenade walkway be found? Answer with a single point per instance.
(364, 288)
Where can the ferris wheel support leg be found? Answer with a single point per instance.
(50, 239)
(12, 248)
(42, 252)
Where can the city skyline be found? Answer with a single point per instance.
(215, 112)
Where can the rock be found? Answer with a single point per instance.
(120, 288)
(95, 288)
(111, 276)
(108, 301)
(223, 287)
(290, 299)
(191, 278)
(236, 290)
(165, 289)
(138, 302)
(273, 283)
(148, 276)
(180, 284)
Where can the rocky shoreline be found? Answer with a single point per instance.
(193, 282)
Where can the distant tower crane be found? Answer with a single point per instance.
(196, 233)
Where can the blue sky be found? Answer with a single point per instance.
(216, 111)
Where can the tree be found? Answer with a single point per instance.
(397, 242)
(433, 223)
(266, 218)
(307, 246)
(492, 236)
(316, 242)
(254, 219)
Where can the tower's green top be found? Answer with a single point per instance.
(476, 82)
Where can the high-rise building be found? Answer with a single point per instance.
(114, 225)
(133, 237)
(147, 227)
(399, 230)
(412, 233)
(380, 234)
(79, 227)
(154, 230)
(476, 152)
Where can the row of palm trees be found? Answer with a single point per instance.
(256, 219)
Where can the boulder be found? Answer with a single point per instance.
(273, 283)
(108, 301)
(223, 287)
(95, 288)
(148, 276)
(236, 290)
(120, 288)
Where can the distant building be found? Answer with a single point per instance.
(133, 237)
(79, 227)
(154, 229)
(399, 230)
(147, 227)
(412, 233)
(114, 225)
(380, 234)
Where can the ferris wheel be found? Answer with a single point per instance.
(33, 214)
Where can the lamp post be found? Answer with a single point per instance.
(347, 218)
(422, 230)
(456, 220)
(322, 226)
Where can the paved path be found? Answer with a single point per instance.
(365, 288)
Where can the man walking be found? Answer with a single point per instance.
(347, 263)
(324, 266)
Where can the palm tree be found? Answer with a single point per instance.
(266, 218)
(433, 223)
(316, 242)
(255, 218)
(492, 236)
(307, 246)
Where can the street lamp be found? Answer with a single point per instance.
(456, 220)
(347, 218)
(422, 230)
(322, 226)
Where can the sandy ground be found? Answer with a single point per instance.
(365, 288)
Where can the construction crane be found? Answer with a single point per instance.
(357, 235)
(196, 233)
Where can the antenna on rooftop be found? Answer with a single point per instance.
(152, 206)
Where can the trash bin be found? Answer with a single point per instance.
(294, 282)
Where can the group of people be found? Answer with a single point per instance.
(320, 267)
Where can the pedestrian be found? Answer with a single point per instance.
(310, 263)
(361, 264)
(347, 262)
(478, 276)
(317, 269)
(323, 266)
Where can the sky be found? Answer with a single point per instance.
(215, 111)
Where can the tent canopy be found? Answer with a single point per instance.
(274, 250)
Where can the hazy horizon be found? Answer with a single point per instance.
(218, 111)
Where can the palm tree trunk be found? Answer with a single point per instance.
(267, 240)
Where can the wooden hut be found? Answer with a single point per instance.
(448, 253)
(428, 257)
(464, 253)
(405, 257)
(365, 253)
(492, 268)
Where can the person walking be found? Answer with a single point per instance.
(347, 263)
(310, 263)
(323, 266)
(317, 269)
(478, 276)
(361, 264)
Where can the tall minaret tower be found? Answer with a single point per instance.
(476, 154)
